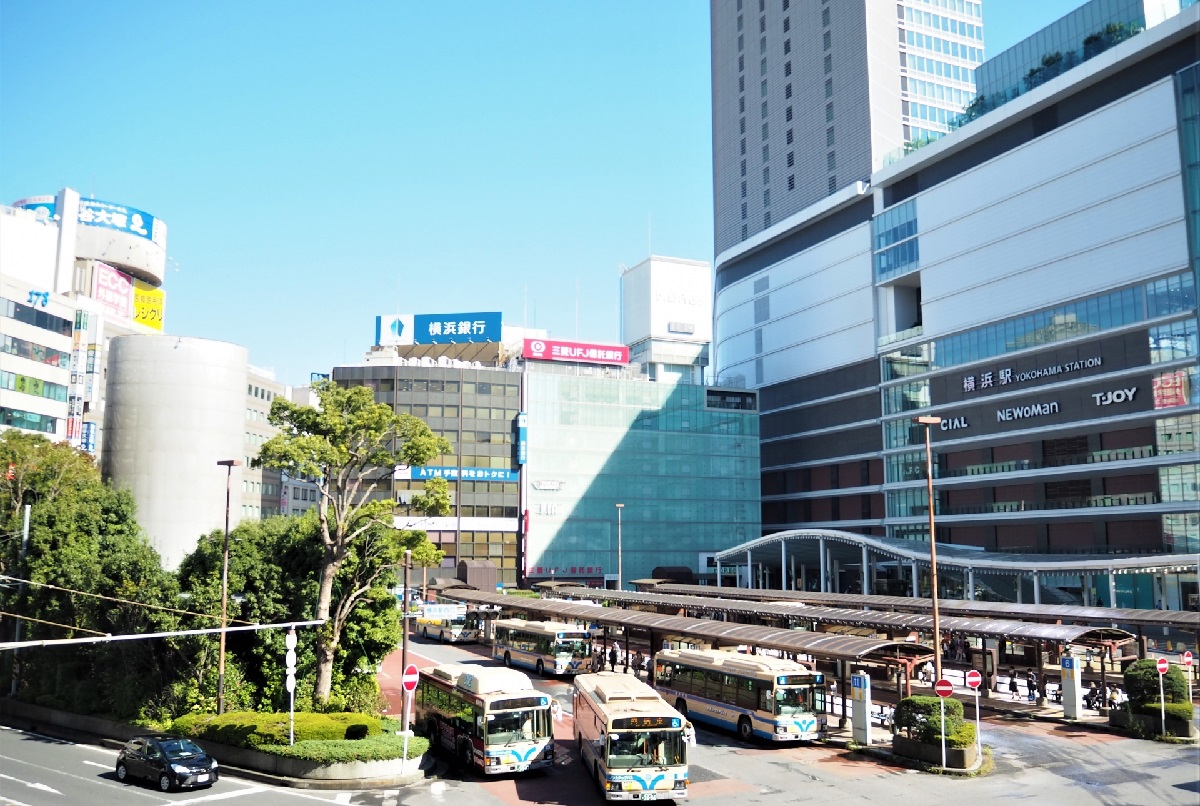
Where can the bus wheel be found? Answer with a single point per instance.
(681, 706)
(599, 779)
(541, 668)
(442, 636)
(745, 729)
(466, 755)
(508, 660)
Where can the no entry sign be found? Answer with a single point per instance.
(1163, 665)
(974, 678)
(1187, 658)
(943, 688)
(410, 677)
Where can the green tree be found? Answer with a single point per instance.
(350, 445)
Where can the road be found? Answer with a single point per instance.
(1036, 762)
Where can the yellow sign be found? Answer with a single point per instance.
(149, 304)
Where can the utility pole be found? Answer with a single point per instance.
(16, 667)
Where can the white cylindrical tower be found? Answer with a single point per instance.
(175, 407)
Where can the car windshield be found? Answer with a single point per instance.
(793, 701)
(576, 648)
(645, 749)
(181, 748)
(526, 724)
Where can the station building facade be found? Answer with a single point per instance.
(1030, 279)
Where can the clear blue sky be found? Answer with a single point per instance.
(321, 163)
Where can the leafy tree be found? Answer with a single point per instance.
(1141, 683)
(349, 445)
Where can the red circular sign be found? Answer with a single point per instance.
(1162, 665)
(974, 678)
(410, 677)
(1187, 658)
(943, 688)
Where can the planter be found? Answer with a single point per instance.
(958, 758)
(38, 718)
(1152, 725)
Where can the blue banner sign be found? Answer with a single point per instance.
(468, 473)
(94, 213)
(456, 328)
(522, 443)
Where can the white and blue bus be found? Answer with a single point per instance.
(544, 646)
(756, 695)
(630, 740)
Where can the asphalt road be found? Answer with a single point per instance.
(1035, 762)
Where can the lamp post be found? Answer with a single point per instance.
(929, 421)
(229, 465)
(620, 578)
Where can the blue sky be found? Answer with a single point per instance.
(320, 163)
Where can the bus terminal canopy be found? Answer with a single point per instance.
(869, 619)
(822, 646)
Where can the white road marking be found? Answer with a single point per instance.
(30, 784)
(97, 764)
(250, 790)
(438, 790)
(10, 802)
(342, 798)
(90, 779)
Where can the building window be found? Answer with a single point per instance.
(763, 89)
(764, 109)
(743, 211)
(832, 184)
(825, 16)
(743, 189)
(762, 24)
(767, 218)
(787, 46)
(739, 22)
(829, 64)
(742, 125)
(743, 146)
(787, 68)
(741, 63)
(741, 83)
(762, 67)
(828, 138)
(829, 88)
(762, 45)
(787, 93)
(830, 161)
(743, 167)
(787, 24)
(745, 232)
(827, 40)
(788, 116)
(741, 106)
(789, 136)
(766, 153)
(791, 159)
(829, 113)
(766, 176)
(740, 43)
(791, 181)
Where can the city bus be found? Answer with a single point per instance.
(544, 646)
(459, 629)
(491, 719)
(630, 740)
(756, 695)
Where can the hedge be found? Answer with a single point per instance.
(922, 716)
(255, 730)
(373, 748)
(1177, 710)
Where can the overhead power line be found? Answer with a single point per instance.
(106, 638)
(119, 601)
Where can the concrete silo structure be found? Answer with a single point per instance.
(176, 407)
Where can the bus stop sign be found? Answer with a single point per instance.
(943, 688)
(410, 677)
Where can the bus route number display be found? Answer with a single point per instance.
(644, 722)
(799, 680)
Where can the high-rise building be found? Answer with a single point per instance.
(666, 317)
(810, 95)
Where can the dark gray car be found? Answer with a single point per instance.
(171, 762)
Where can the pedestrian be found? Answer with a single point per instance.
(1092, 695)
(1012, 682)
(927, 672)
(612, 658)
(637, 663)
(1031, 680)
(689, 734)
(1112, 697)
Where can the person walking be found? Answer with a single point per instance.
(689, 734)
(1012, 683)
(612, 658)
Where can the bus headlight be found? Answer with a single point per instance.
(493, 761)
(680, 784)
(781, 728)
(616, 786)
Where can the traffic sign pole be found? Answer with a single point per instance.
(1187, 664)
(409, 681)
(1163, 665)
(944, 688)
(974, 679)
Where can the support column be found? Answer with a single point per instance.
(915, 587)
(1037, 588)
(718, 572)
(783, 574)
(1020, 580)
(1085, 584)
(970, 584)
(793, 576)
(824, 566)
(749, 579)
(835, 577)
(866, 573)
(1112, 588)
(803, 577)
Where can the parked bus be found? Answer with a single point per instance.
(491, 719)
(756, 695)
(544, 646)
(629, 738)
(459, 629)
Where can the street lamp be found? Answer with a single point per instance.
(929, 421)
(620, 585)
(229, 465)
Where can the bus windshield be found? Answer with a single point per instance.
(507, 727)
(794, 700)
(645, 748)
(471, 622)
(458, 622)
(575, 647)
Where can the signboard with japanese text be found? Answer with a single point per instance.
(438, 328)
(89, 438)
(45, 206)
(583, 352)
(149, 305)
(522, 438)
(95, 213)
(468, 473)
(113, 289)
(1171, 389)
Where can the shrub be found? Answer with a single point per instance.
(1175, 710)
(1141, 683)
(375, 748)
(922, 716)
(255, 730)
(962, 736)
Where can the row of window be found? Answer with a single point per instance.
(934, 90)
(946, 47)
(259, 487)
(28, 420)
(255, 439)
(259, 392)
(934, 114)
(468, 412)
(937, 67)
(35, 352)
(451, 387)
(36, 317)
(1114, 309)
(961, 6)
(942, 23)
(256, 415)
(33, 386)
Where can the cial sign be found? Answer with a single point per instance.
(410, 677)
(943, 688)
(1162, 665)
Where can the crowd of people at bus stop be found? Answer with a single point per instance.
(631, 662)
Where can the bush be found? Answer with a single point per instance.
(1141, 683)
(375, 748)
(255, 730)
(962, 736)
(923, 716)
(1175, 710)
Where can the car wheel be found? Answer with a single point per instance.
(508, 660)
(681, 706)
(541, 669)
(122, 771)
(164, 782)
(745, 729)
